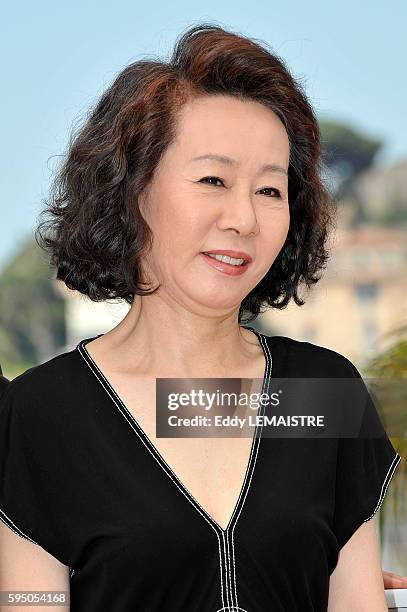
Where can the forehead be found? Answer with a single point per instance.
(226, 124)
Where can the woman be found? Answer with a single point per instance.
(215, 153)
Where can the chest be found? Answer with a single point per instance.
(212, 469)
(137, 522)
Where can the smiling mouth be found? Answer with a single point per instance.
(230, 266)
(233, 261)
(227, 254)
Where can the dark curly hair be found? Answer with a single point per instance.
(95, 233)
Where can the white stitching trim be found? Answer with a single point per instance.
(257, 442)
(234, 609)
(228, 585)
(163, 465)
(385, 485)
(243, 492)
(250, 470)
(229, 568)
(14, 527)
(19, 532)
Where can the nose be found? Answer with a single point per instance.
(239, 215)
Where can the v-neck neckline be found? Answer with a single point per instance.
(151, 447)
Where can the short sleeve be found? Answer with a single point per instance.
(365, 467)
(26, 490)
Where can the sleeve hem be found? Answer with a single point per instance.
(386, 482)
(7, 521)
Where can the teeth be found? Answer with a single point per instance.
(226, 259)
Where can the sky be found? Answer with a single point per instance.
(57, 58)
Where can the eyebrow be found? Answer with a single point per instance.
(231, 162)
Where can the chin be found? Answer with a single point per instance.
(213, 300)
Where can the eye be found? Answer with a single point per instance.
(209, 178)
(276, 191)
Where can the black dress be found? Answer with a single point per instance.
(80, 478)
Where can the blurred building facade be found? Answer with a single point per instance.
(361, 296)
(85, 318)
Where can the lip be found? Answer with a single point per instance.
(224, 267)
(229, 253)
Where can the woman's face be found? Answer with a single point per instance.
(243, 207)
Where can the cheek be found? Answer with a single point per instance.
(177, 228)
(274, 230)
(185, 221)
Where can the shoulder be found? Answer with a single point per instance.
(4, 382)
(47, 412)
(309, 359)
(42, 386)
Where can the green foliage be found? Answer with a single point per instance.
(32, 313)
(347, 153)
(391, 364)
(347, 150)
